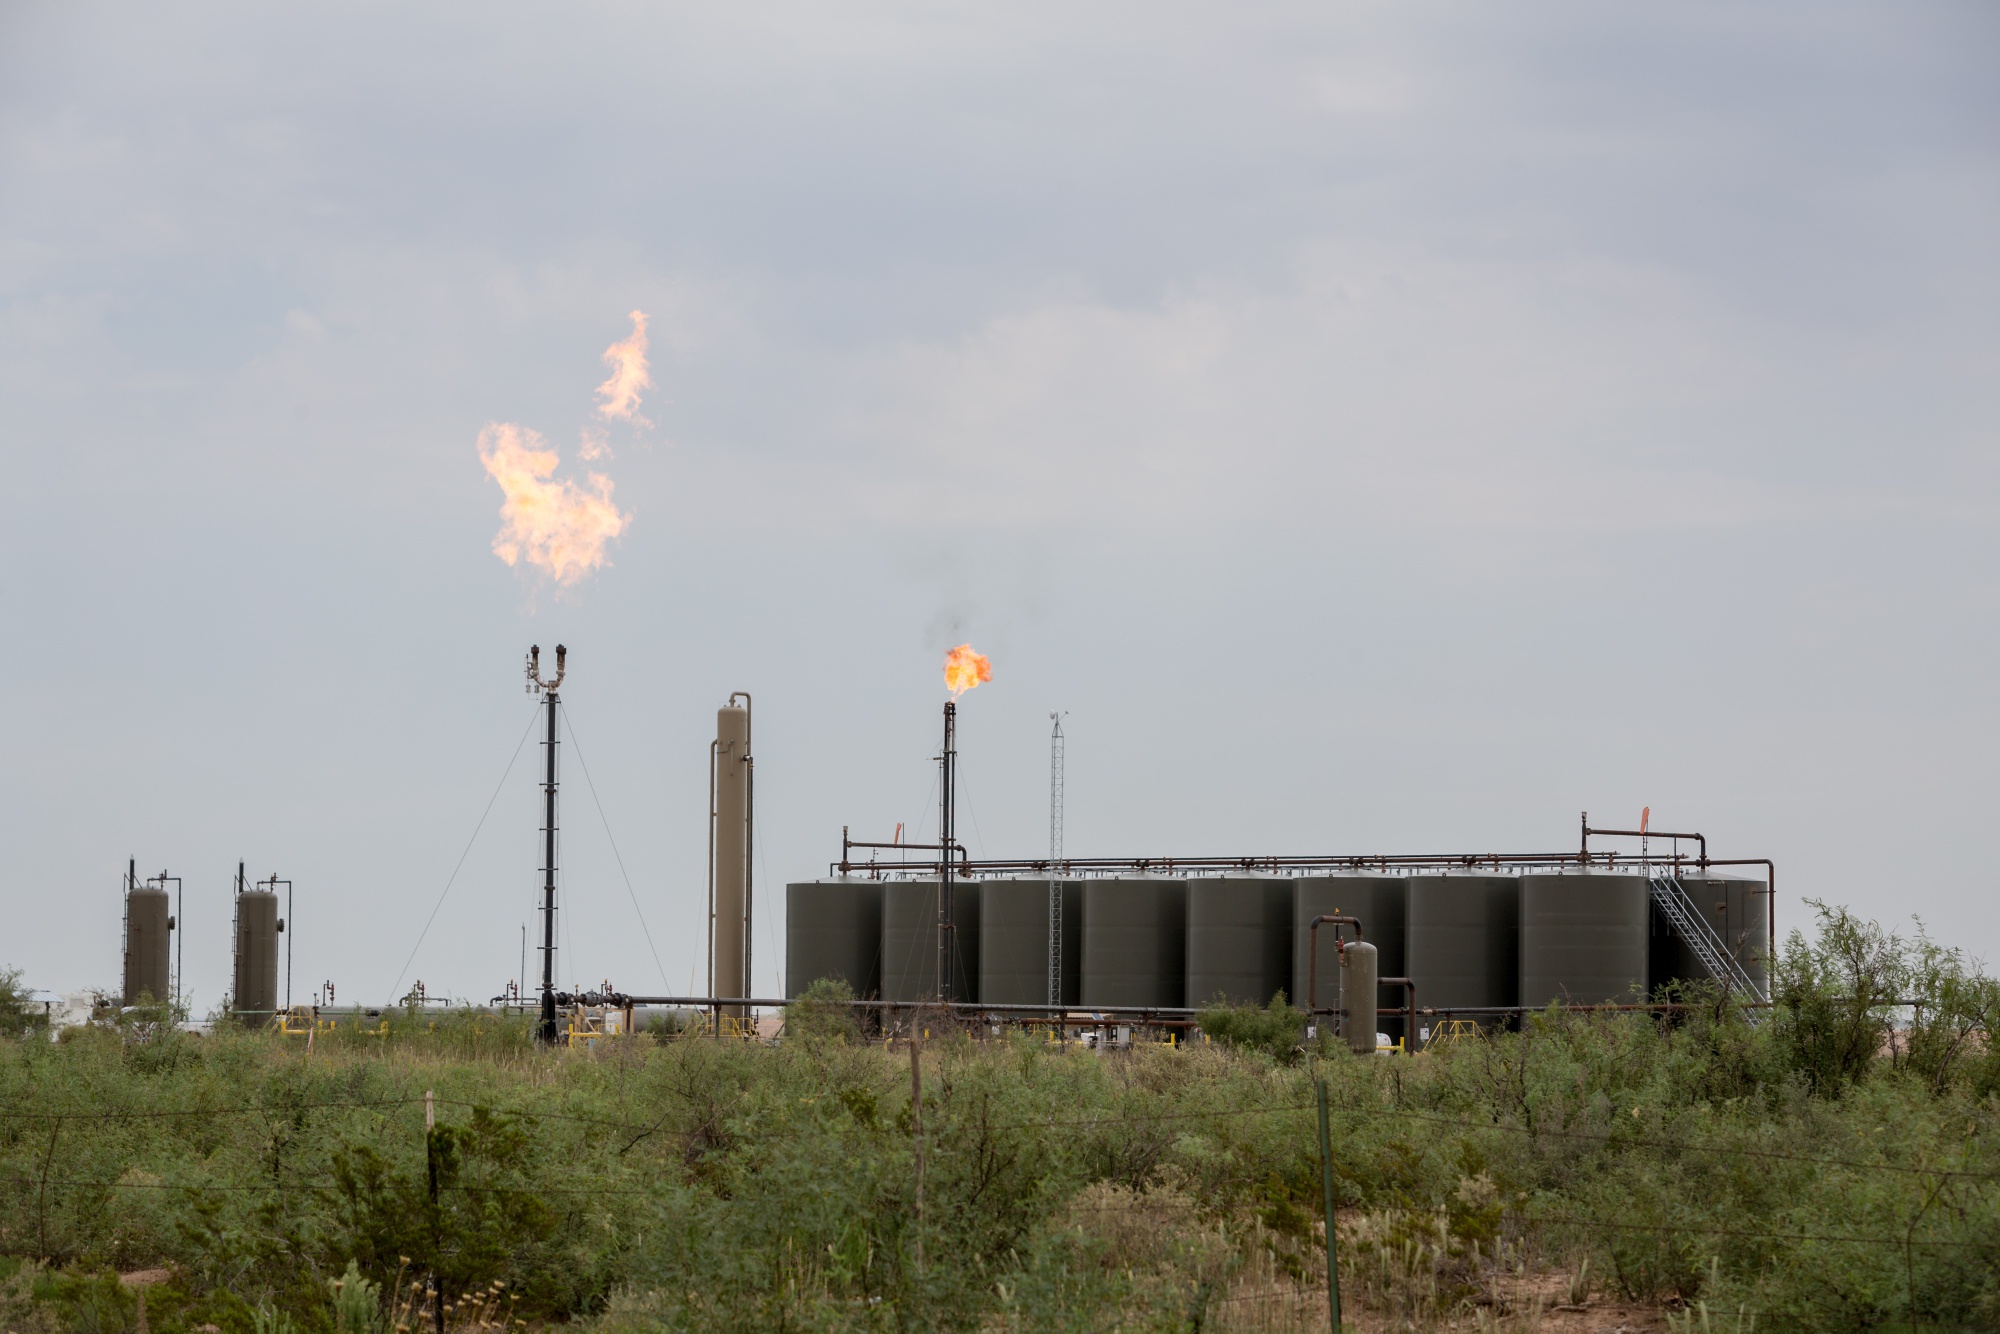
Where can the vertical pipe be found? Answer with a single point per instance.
(291, 929)
(243, 955)
(1055, 856)
(125, 985)
(947, 781)
(1410, 1041)
(1771, 930)
(551, 703)
(236, 936)
(749, 843)
(1312, 953)
(715, 1012)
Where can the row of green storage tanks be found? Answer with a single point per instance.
(1465, 941)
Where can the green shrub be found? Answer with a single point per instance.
(18, 1014)
(1277, 1029)
(823, 1012)
(1776, 1165)
(1835, 997)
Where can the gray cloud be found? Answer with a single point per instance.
(1507, 412)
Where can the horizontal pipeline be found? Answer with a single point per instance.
(1355, 862)
(1645, 834)
(960, 1007)
(1173, 1012)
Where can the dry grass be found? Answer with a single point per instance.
(1397, 1278)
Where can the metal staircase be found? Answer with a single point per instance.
(1671, 898)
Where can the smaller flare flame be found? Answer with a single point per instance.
(964, 669)
(627, 360)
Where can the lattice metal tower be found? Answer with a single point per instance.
(1055, 856)
(551, 702)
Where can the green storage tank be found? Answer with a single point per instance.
(1135, 941)
(1239, 939)
(1737, 909)
(1463, 946)
(1014, 941)
(833, 929)
(909, 940)
(1585, 938)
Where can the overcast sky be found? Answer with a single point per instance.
(1383, 427)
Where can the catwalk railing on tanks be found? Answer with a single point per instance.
(1674, 863)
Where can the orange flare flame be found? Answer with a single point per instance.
(627, 360)
(964, 669)
(559, 526)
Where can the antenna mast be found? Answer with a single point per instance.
(1055, 856)
(552, 702)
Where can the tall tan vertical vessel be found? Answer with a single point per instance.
(729, 882)
(255, 994)
(148, 942)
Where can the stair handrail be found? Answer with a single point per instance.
(1709, 948)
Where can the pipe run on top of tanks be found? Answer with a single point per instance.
(1077, 868)
(1642, 834)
